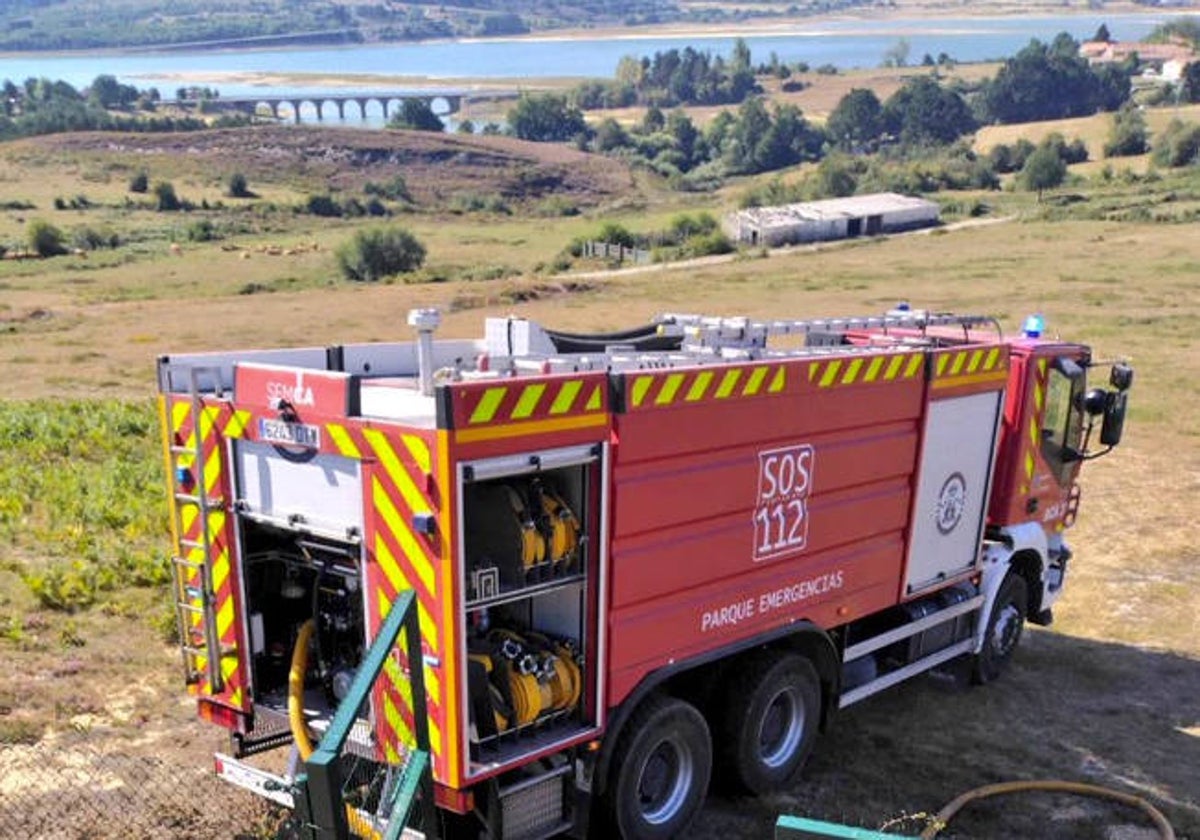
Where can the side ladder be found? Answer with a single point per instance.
(191, 563)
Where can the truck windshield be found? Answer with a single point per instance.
(1062, 422)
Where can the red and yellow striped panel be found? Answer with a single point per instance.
(520, 406)
(865, 369)
(397, 485)
(1033, 443)
(983, 368)
(664, 388)
(217, 420)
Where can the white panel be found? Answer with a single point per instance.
(325, 490)
(952, 490)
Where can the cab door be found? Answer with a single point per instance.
(1043, 433)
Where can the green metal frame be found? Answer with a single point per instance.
(801, 828)
(319, 804)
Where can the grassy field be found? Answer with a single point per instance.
(1110, 695)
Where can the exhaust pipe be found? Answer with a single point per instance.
(425, 322)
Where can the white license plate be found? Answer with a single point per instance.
(291, 434)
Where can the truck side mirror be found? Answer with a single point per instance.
(1114, 417)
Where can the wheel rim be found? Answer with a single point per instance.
(1007, 630)
(665, 781)
(781, 729)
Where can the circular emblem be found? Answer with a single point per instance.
(952, 501)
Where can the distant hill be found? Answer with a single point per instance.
(27, 25)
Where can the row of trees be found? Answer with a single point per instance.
(674, 77)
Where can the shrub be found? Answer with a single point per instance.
(45, 239)
(239, 187)
(615, 234)
(379, 252)
(89, 238)
(323, 205)
(394, 190)
(707, 244)
(202, 230)
(139, 183)
(166, 201)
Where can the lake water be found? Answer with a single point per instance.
(843, 43)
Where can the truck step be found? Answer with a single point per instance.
(900, 674)
(861, 649)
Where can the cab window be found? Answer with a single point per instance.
(1062, 421)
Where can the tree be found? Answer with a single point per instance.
(1189, 83)
(376, 253)
(857, 121)
(897, 54)
(546, 117)
(1127, 136)
(416, 115)
(1044, 170)
(1102, 34)
(834, 178)
(139, 183)
(610, 135)
(1178, 144)
(924, 113)
(45, 239)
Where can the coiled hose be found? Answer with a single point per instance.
(359, 824)
(1054, 786)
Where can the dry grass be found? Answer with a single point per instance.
(1110, 695)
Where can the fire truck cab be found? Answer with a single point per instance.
(627, 556)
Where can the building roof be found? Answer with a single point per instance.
(1099, 52)
(833, 209)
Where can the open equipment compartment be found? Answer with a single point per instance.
(531, 575)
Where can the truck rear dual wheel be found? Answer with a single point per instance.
(1005, 624)
(662, 765)
(769, 720)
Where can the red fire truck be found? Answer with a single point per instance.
(620, 558)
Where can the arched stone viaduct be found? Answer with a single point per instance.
(441, 103)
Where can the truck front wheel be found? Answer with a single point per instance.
(771, 712)
(1005, 624)
(662, 766)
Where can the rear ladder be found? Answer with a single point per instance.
(191, 564)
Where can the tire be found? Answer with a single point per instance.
(1005, 624)
(661, 768)
(770, 718)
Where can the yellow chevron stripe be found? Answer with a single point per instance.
(392, 571)
(566, 396)
(418, 450)
(640, 386)
(404, 537)
(188, 459)
(225, 618)
(488, 404)
(893, 368)
(778, 381)
(941, 363)
(238, 421)
(1038, 396)
(831, 372)
(914, 365)
(666, 394)
(531, 395)
(433, 684)
(976, 358)
(1034, 437)
(342, 440)
(212, 470)
(208, 421)
(813, 367)
(728, 382)
(699, 386)
(754, 382)
(187, 517)
(179, 414)
(395, 470)
(959, 359)
(852, 370)
(1029, 465)
(596, 400)
(873, 369)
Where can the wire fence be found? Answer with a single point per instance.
(87, 788)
